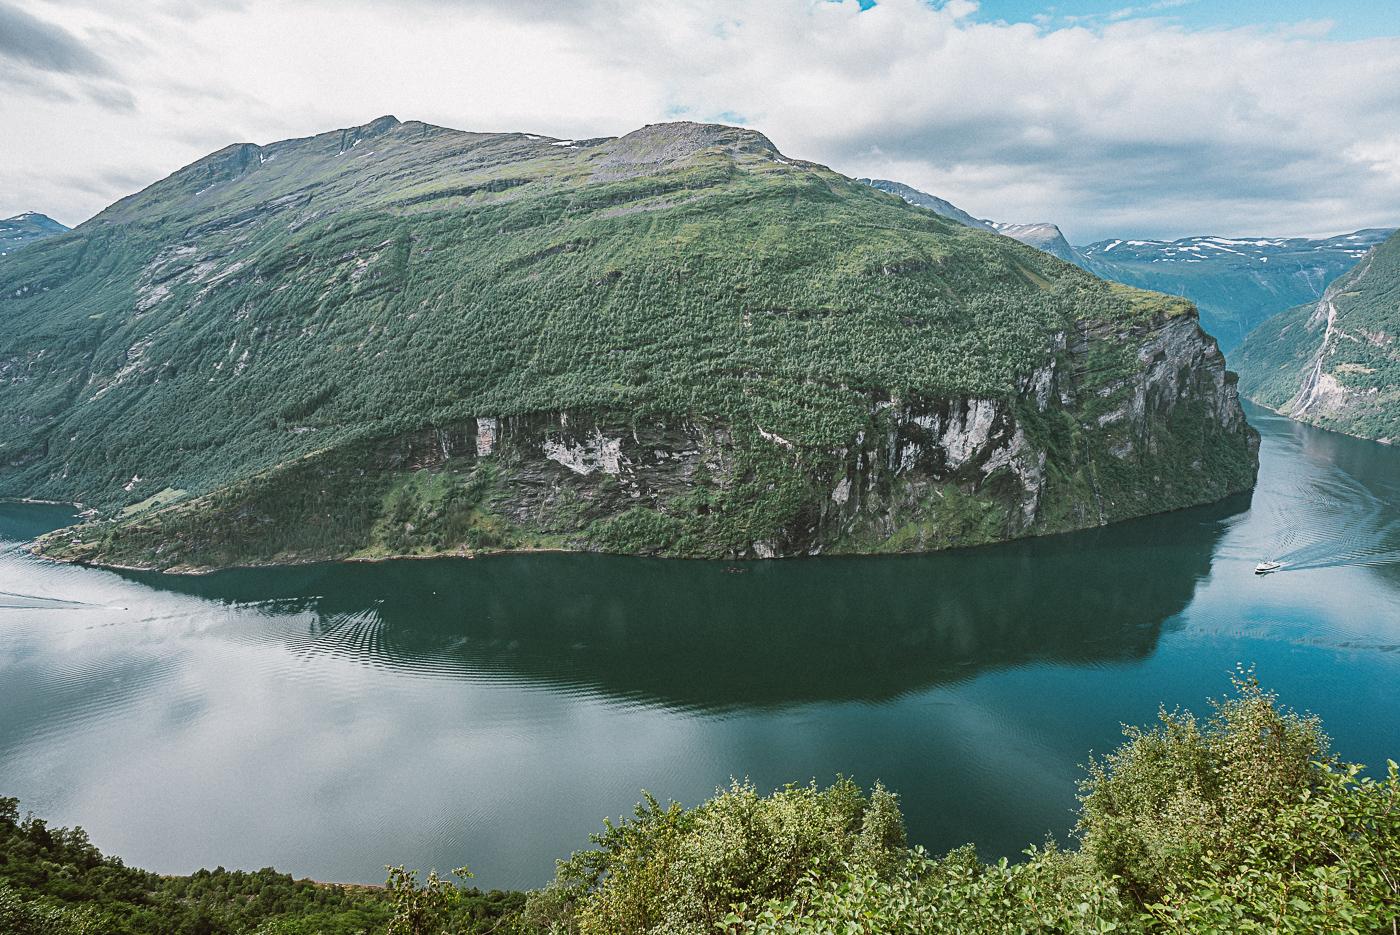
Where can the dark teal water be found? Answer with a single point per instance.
(331, 719)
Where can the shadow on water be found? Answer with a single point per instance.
(709, 636)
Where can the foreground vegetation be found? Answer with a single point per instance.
(53, 881)
(1243, 821)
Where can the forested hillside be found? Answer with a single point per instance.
(401, 338)
(1336, 363)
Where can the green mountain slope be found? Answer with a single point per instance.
(935, 204)
(1235, 282)
(400, 338)
(1336, 363)
(26, 228)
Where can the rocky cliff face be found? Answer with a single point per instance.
(1077, 445)
(1335, 363)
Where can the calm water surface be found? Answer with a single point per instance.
(330, 719)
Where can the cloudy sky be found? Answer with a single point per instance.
(1148, 118)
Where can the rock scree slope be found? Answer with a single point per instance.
(402, 339)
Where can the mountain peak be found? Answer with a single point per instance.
(1042, 235)
(27, 227)
(34, 217)
(658, 143)
(380, 124)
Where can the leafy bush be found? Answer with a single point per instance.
(676, 871)
(54, 882)
(1157, 807)
(1238, 824)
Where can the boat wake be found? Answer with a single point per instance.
(11, 601)
(1348, 525)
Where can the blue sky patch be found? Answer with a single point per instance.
(1353, 19)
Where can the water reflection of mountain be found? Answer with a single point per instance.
(698, 635)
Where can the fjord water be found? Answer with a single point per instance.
(330, 719)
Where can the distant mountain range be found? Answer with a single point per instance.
(1335, 362)
(26, 228)
(1236, 282)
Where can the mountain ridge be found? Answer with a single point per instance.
(406, 339)
(1042, 235)
(1229, 279)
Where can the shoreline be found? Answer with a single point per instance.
(1321, 428)
(460, 554)
(198, 570)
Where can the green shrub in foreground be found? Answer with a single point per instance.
(1238, 823)
(678, 871)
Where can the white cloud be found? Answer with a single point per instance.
(1381, 156)
(1137, 127)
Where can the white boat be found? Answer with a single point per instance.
(1263, 568)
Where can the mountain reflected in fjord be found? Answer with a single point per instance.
(330, 719)
(709, 636)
